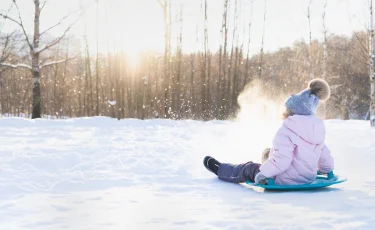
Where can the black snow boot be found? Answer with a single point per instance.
(211, 164)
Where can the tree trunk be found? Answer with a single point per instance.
(247, 75)
(309, 62)
(178, 73)
(372, 76)
(88, 81)
(232, 66)
(55, 89)
(325, 55)
(36, 106)
(192, 93)
(262, 46)
(222, 90)
(166, 82)
(97, 59)
(205, 79)
(235, 79)
(62, 83)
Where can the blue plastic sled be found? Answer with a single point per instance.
(321, 181)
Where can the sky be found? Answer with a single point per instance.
(137, 25)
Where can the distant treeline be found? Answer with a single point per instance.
(202, 85)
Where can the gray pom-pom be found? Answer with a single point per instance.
(320, 88)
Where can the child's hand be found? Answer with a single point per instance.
(260, 178)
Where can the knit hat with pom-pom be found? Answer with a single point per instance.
(306, 102)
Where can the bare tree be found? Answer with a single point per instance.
(205, 67)
(165, 5)
(223, 64)
(178, 73)
(309, 60)
(247, 75)
(262, 46)
(237, 56)
(97, 59)
(63, 80)
(109, 74)
(7, 48)
(35, 50)
(87, 98)
(192, 96)
(325, 52)
(231, 66)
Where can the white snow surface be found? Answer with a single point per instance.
(101, 173)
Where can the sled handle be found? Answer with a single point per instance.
(270, 181)
(330, 175)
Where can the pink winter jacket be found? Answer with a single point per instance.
(298, 151)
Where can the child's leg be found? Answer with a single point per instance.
(238, 173)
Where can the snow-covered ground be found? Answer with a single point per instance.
(100, 173)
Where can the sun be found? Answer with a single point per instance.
(130, 46)
(131, 27)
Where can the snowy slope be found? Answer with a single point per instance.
(100, 173)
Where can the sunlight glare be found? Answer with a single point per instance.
(134, 28)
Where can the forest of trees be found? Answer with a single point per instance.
(201, 85)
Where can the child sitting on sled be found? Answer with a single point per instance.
(298, 148)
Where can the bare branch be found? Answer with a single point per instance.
(58, 62)
(5, 52)
(10, 8)
(57, 24)
(161, 3)
(57, 40)
(357, 58)
(11, 19)
(16, 66)
(21, 25)
(4, 56)
(44, 4)
(364, 49)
